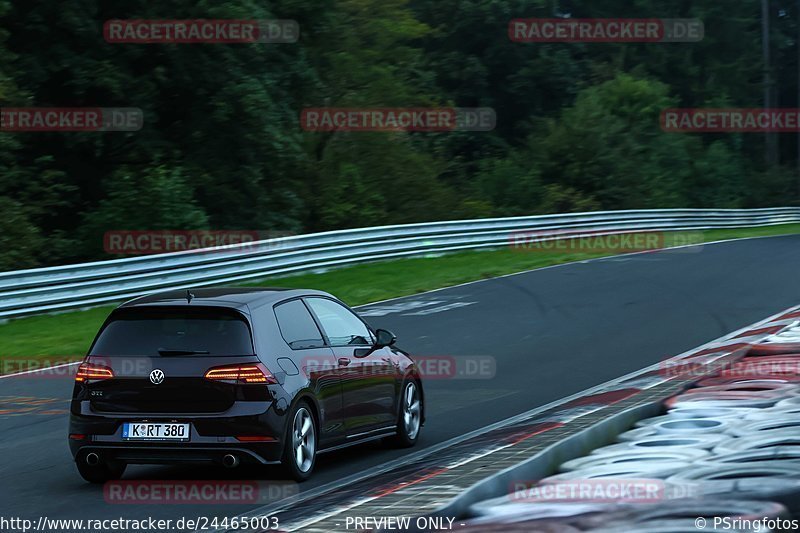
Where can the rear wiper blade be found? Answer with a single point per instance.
(168, 352)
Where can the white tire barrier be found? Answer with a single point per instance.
(660, 443)
(681, 515)
(629, 470)
(700, 401)
(769, 439)
(710, 412)
(778, 454)
(691, 426)
(756, 388)
(782, 423)
(772, 413)
(637, 434)
(766, 469)
(788, 403)
(687, 455)
(728, 447)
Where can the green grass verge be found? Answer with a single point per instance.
(67, 336)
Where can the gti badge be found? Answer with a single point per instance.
(156, 377)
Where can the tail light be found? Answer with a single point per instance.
(92, 371)
(243, 374)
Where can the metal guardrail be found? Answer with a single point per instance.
(44, 290)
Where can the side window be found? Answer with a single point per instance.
(342, 327)
(297, 327)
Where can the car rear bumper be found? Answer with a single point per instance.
(161, 453)
(211, 437)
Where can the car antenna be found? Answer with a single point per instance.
(189, 296)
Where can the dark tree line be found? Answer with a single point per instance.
(222, 147)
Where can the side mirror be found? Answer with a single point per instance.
(385, 338)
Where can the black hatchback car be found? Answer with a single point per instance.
(234, 376)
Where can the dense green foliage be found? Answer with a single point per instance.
(222, 147)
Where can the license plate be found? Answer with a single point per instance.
(155, 431)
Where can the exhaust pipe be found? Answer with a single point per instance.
(230, 461)
(92, 459)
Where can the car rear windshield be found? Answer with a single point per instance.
(167, 333)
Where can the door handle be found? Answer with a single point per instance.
(344, 361)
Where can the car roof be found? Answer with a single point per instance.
(230, 297)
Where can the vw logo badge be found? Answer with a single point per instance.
(156, 377)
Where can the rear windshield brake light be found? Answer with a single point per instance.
(244, 374)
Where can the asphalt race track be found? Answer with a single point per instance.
(551, 332)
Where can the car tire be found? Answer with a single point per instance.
(300, 448)
(409, 418)
(101, 473)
